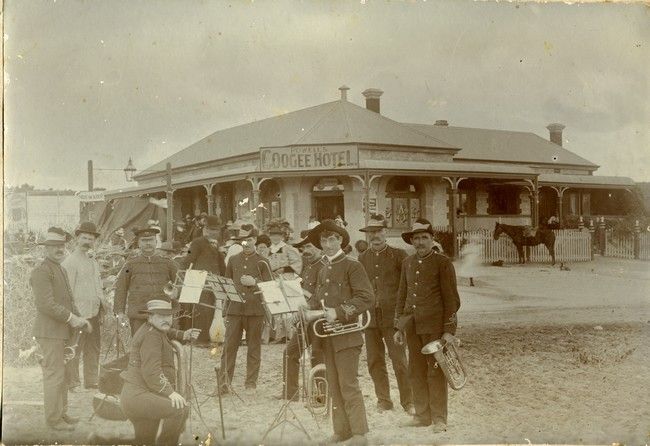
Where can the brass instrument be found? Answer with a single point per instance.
(324, 329)
(182, 369)
(316, 399)
(70, 351)
(448, 359)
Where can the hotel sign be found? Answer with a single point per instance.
(309, 158)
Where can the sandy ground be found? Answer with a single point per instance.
(553, 357)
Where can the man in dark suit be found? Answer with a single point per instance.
(427, 302)
(56, 319)
(204, 255)
(383, 264)
(346, 292)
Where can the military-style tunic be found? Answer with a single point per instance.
(428, 292)
(309, 277)
(238, 266)
(384, 269)
(140, 280)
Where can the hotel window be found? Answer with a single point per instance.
(503, 200)
(402, 202)
(270, 200)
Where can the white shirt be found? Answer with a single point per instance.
(329, 259)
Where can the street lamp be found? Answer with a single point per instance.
(129, 170)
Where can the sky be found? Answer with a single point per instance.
(105, 81)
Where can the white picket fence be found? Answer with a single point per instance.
(623, 246)
(570, 246)
(644, 246)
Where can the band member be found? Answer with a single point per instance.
(204, 255)
(245, 269)
(346, 291)
(427, 302)
(149, 394)
(56, 319)
(141, 278)
(383, 264)
(88, 294)
(312, 265)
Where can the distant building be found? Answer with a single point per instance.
(38, 210)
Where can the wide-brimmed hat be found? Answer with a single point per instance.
(145, 232)
(328, 225)
(263, 239)
(245, 231)
(420, 225)
(87, 227)
(158, 306)
(304, 239)
(213, 222)
(55, 236)
(376, 223)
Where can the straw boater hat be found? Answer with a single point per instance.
(376, 223)
(420, 225)
(56, 236)
(245, 231)
(87, 227)
(158, 306)
(328, 225)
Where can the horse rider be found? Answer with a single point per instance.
(149, 394)
(383, 264)
(427, 303)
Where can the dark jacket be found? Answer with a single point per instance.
(151, 360)
(239, 265)
(309, 282)
(53, 301)
(384, 269)
(343, 285)
(428, 294)
(140, 280)
(204, 256)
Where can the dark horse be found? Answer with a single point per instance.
(518, 235)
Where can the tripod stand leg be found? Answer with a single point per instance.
(223, 427)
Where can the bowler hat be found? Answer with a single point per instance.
(245, 231)
(56, 236)
(87, 227)
(420, 225)
(376, 223)
(145, 232)
(213, 222)
(330, 226)
(158, 306)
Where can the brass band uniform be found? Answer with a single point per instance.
(427, 303)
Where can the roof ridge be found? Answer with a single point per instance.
(318, 121)
(470, 128)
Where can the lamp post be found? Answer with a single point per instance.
(129, 170)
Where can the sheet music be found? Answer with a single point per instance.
(192, 286)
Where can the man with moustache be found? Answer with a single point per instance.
(149, 394)
(246, 269)
(427, 303)
(204, 255)
(312, 264)
(141, 278)
(344, 288)
(56, 319)
(88, 294)
(383, 264)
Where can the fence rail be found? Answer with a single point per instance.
(623, 246)
(570, 246)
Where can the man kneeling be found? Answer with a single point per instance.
(149, 394)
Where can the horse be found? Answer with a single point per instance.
(518, 236)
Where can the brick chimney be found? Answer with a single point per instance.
(555, 130)
(344, 92)
(442, 123)
(372, 98)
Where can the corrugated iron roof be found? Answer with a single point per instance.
(334, 122)
(585, 180)
(502, 145)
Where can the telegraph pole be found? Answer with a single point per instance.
(170, 205)
(90, 175)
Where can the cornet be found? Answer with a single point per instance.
(448, 359)
(70, 351)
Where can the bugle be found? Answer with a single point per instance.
(448, 359)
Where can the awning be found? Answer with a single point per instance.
(585, 181)
(491, 170)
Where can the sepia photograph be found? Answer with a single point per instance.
(353, 223)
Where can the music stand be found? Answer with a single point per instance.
(283, 297)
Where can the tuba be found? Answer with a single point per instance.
(317, 399)
(448, 359)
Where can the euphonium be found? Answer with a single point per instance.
(448, 359)
(318, 401)
(324, 329)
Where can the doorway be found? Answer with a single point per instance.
(328, 206)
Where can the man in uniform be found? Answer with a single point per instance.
(88, 294)
(246, 269)
(344, 288)
(427, 302)
(56, 318)
(204, 255)
(383, 264)
(150, 393)
(142, 277)
(312, 264)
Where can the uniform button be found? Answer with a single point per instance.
(413, 306)
(419, 261)
(244, 266)
(416, 283)
(414, 294)
(329, 267)
(376, 266)
(376, 277)
(327, 280)
(327, 294)
(417, 272)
